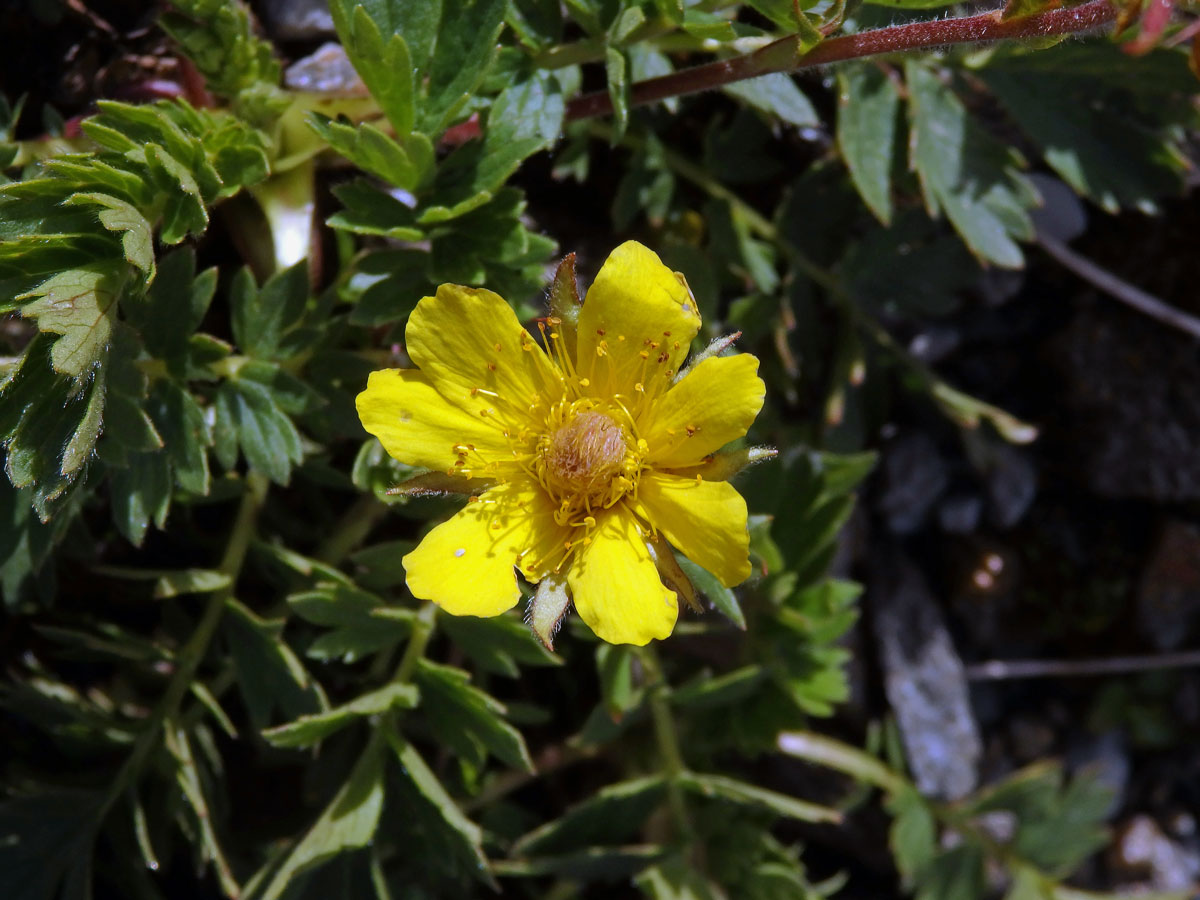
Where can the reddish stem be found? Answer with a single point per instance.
(781, 56)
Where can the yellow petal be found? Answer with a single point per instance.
(471, 346)
(616, 587)
(714, 404)
(635, 306)
(418, 427)
(706, 520)
(465, 565)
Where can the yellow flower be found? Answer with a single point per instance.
(588, 455)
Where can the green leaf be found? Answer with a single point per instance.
(913, 835)
(50, 423)
(956, 874)
(523, 119)
(677, 879)
(912, 269)
(167, 314)
(188, 777)
(1058, 825)
(616, 67)
(269, 675)
(611, 815)
(712, 693)
(615, 665)
(184, 212)
(498, 645)
(1091, 141)
(405, 162)
(465, 719)
(262, 316)
(189, 581)
(965, 173)
(360, 624)
(384, 65)
(185, 434)
(348, 822)
(80, 305)
(464, 833)
(141, 494)
(747, 794)
(311, 729)
(716, 593)
(369, 210)
(777, 95)
(595, 864)
(866, 133)
(116, 215)
(463, 50)
(266, 435)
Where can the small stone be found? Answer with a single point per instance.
(325, 71)
(1061, 215)
(293, 20)
(1142, 853)
(924, 681)
(960, 513)
(1011, 485)
(914, 477)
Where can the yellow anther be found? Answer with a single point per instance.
(499, 349)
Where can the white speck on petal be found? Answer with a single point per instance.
(460, 551)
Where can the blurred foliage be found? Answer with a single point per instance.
(214, 664)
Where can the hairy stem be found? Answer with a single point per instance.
(787, 55)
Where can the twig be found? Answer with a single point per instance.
(786, 54)
(1011, 669)
(1118, 289)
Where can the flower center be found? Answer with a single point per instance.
(584, 461)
